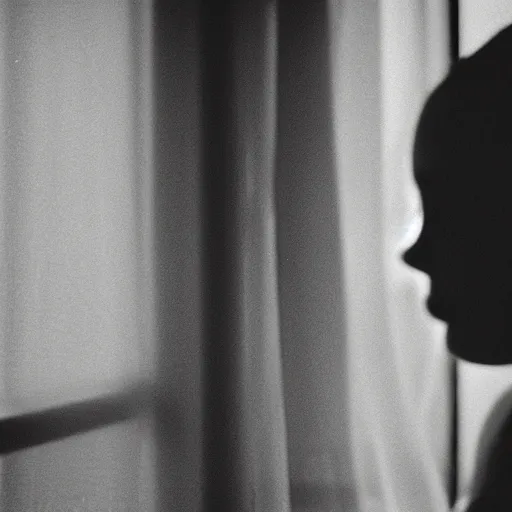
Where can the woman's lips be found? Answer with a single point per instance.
(437, 308)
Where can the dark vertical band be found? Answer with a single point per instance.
(224, 374)
(454, 22)
(453, 7)
(454, 433)
(176, 254)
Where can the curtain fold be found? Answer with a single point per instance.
(319, 382)
(296, 366)
(177, 242)
(387, 56)
(245, 449)
(311, 277)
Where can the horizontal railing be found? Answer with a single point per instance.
(30, 429)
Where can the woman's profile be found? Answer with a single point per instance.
(463, 168)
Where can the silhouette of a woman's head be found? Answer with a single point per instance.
(463, 168)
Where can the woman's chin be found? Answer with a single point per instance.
(438, 309)
(481, 342)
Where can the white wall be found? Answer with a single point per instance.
(480, 20)
(75, 316)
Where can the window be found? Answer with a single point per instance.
(75, 256)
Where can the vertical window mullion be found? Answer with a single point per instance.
(453, 7)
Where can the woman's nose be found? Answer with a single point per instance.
(417, 256)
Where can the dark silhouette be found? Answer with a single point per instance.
(463, 167)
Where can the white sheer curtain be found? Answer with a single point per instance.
(76, 249)
(388, 56)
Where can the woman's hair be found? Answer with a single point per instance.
(465, 130)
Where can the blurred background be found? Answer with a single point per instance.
(212, 199)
